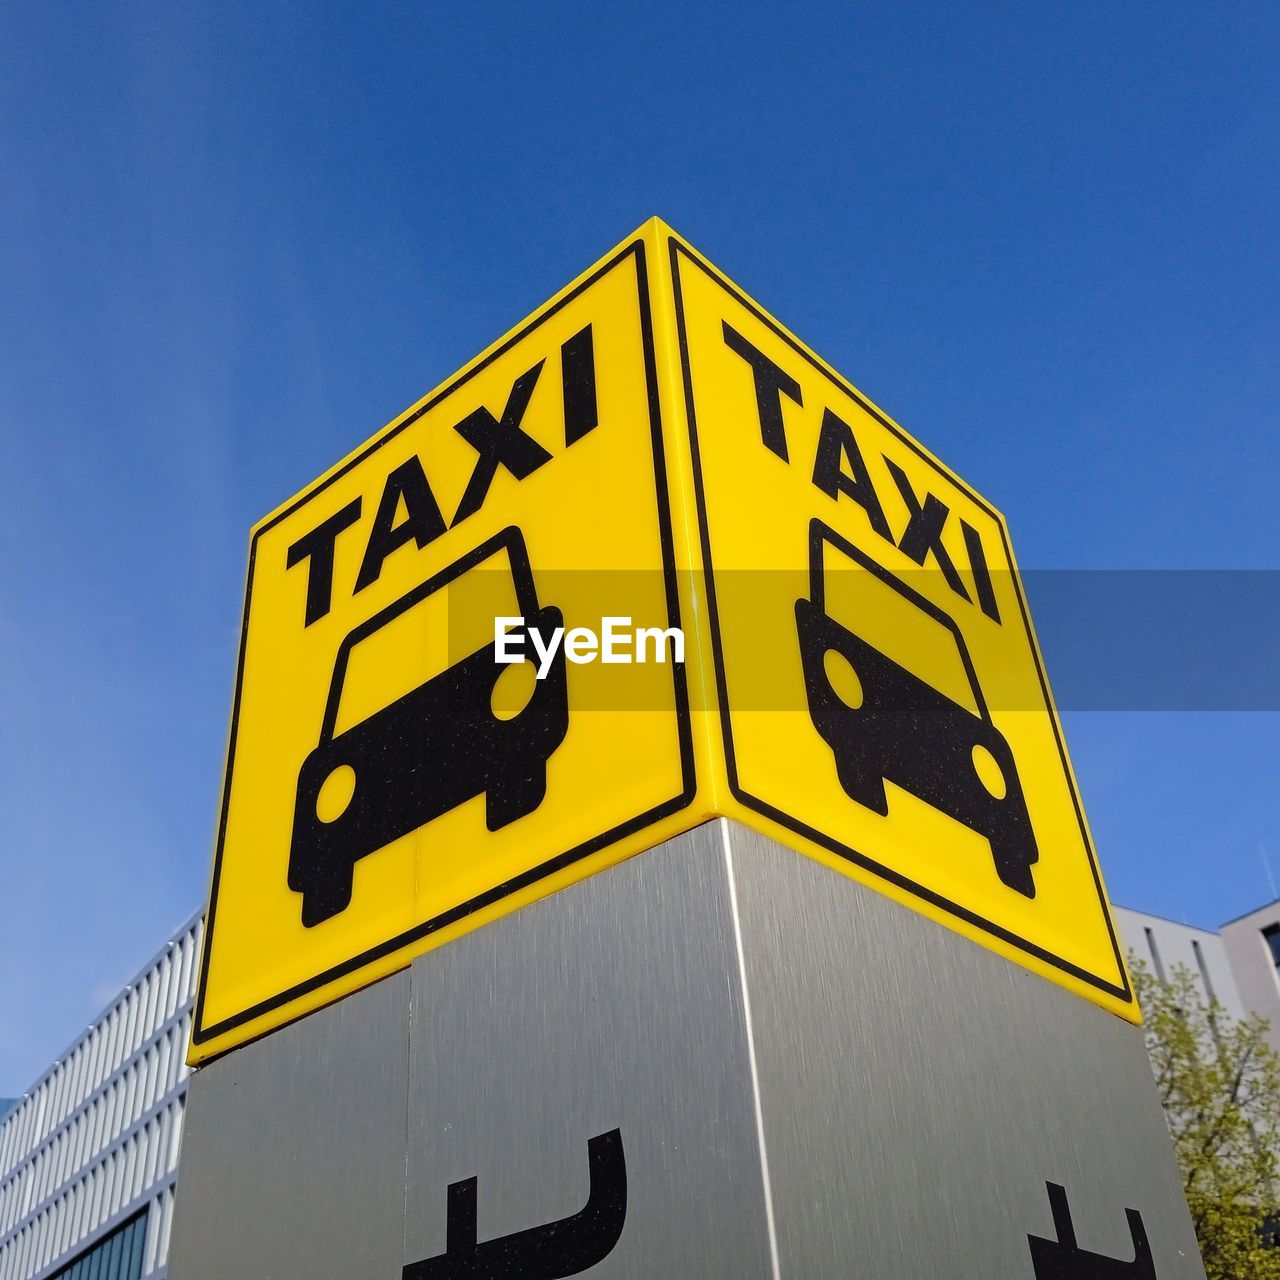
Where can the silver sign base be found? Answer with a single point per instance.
(719, 1060)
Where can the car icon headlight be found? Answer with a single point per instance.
(513, 690)
(989, 772)
(335, 793)
(843, 679)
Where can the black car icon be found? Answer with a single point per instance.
(428, 751)
(899, 728)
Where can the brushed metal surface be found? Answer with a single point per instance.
(918, 1092)
(807, 1082)
(615, 1003)
(293, 1153)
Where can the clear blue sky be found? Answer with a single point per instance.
(237, 238)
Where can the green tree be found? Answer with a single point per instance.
(1219, 1081)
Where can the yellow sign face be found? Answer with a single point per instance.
(882, 700)
(387, 782)
(645, 561)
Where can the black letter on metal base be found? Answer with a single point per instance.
(1063, 1259)
(565, 1247)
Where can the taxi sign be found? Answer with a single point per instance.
(882, 700)
(385, 788)
(428, 730)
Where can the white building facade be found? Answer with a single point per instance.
(1239, 965)
(89, 1155)
(1163, 945)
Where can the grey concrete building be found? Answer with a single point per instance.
(1252, 944)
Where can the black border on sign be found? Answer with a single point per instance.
(200, 1034)
(1124, 991)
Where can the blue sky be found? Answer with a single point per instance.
(238, 238)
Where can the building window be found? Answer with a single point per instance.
(117, 1256)
(1272, 935)
(1155, 954)
(1204, 971)
(1270, 1232)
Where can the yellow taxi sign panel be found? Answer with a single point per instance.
(386, 782)
(840, 655)
(882, 700)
